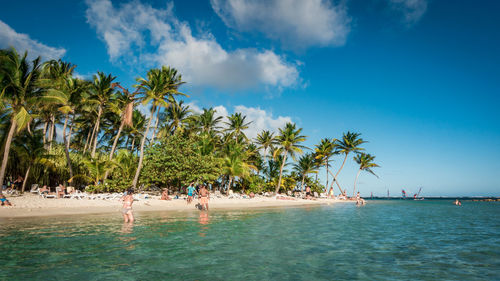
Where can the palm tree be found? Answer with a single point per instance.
(306, 165)
(178, 118)
(207, 122)
(64, 97)
(96, 167)
(350, 142)
(122, 106)
(55, 75)
(365, 162)
(30, 148)
(19, 85)
(101, 92)
(236, 125)
(324, 151)
(288, 143)
(265, 141)
(160, 85)
(236, 162)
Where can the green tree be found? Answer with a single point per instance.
(350, 142)
(101, 92)
(265, 141)
(160, 86)
(207, 121)
(324, 151)
(19, 87)
(287, 143)
(365, 162)
(237, 125)
(236, 162)
(29, 147)
(306, 165)
(177, 161)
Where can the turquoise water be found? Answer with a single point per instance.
(384, 240)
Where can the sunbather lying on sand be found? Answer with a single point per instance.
(4, 201)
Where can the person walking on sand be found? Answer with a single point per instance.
(128, 199)
(190, 191)
(204, 197)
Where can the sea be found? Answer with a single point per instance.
(382, 240)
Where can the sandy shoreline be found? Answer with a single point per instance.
(30, 205)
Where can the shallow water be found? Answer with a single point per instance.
(384, 240)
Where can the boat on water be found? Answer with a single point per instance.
(415, 196)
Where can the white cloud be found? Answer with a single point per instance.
(22, 42)
(259, 118)
(296, 23)
(131, 30)
(412, 10)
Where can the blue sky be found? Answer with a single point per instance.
(419, 79)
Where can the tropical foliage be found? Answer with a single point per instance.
(56, 128)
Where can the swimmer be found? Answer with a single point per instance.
(128, 199)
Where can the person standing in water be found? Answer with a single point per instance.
(190, 191)
(128, 199)
(204, 196)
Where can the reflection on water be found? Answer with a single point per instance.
(381, 241)
(204, 220)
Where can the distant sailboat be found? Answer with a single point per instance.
(416, 196)
(403, 193)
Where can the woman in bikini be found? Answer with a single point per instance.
(128, 199)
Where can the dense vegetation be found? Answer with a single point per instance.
(58, 129)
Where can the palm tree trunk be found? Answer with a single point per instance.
(156, 125)
(281, 173)
(45, 133)
(327, 174)
(229, 185)
(66, 148)
(115, 142)
(141, 156)
(97, 130)
(87, 142)
(26, 178)
(302, 184)
(52, 129)
(133, 144)
(357, 175)
(71, 130)
(12, 129)
(338, 172)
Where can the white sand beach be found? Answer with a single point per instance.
(31, 205)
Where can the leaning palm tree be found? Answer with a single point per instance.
(350, 142)
(124, 107)
(323, 152)
(365, 162)
(19, 86)
(287, 143)
(306, 165)
(160, 86)
(265, 141)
